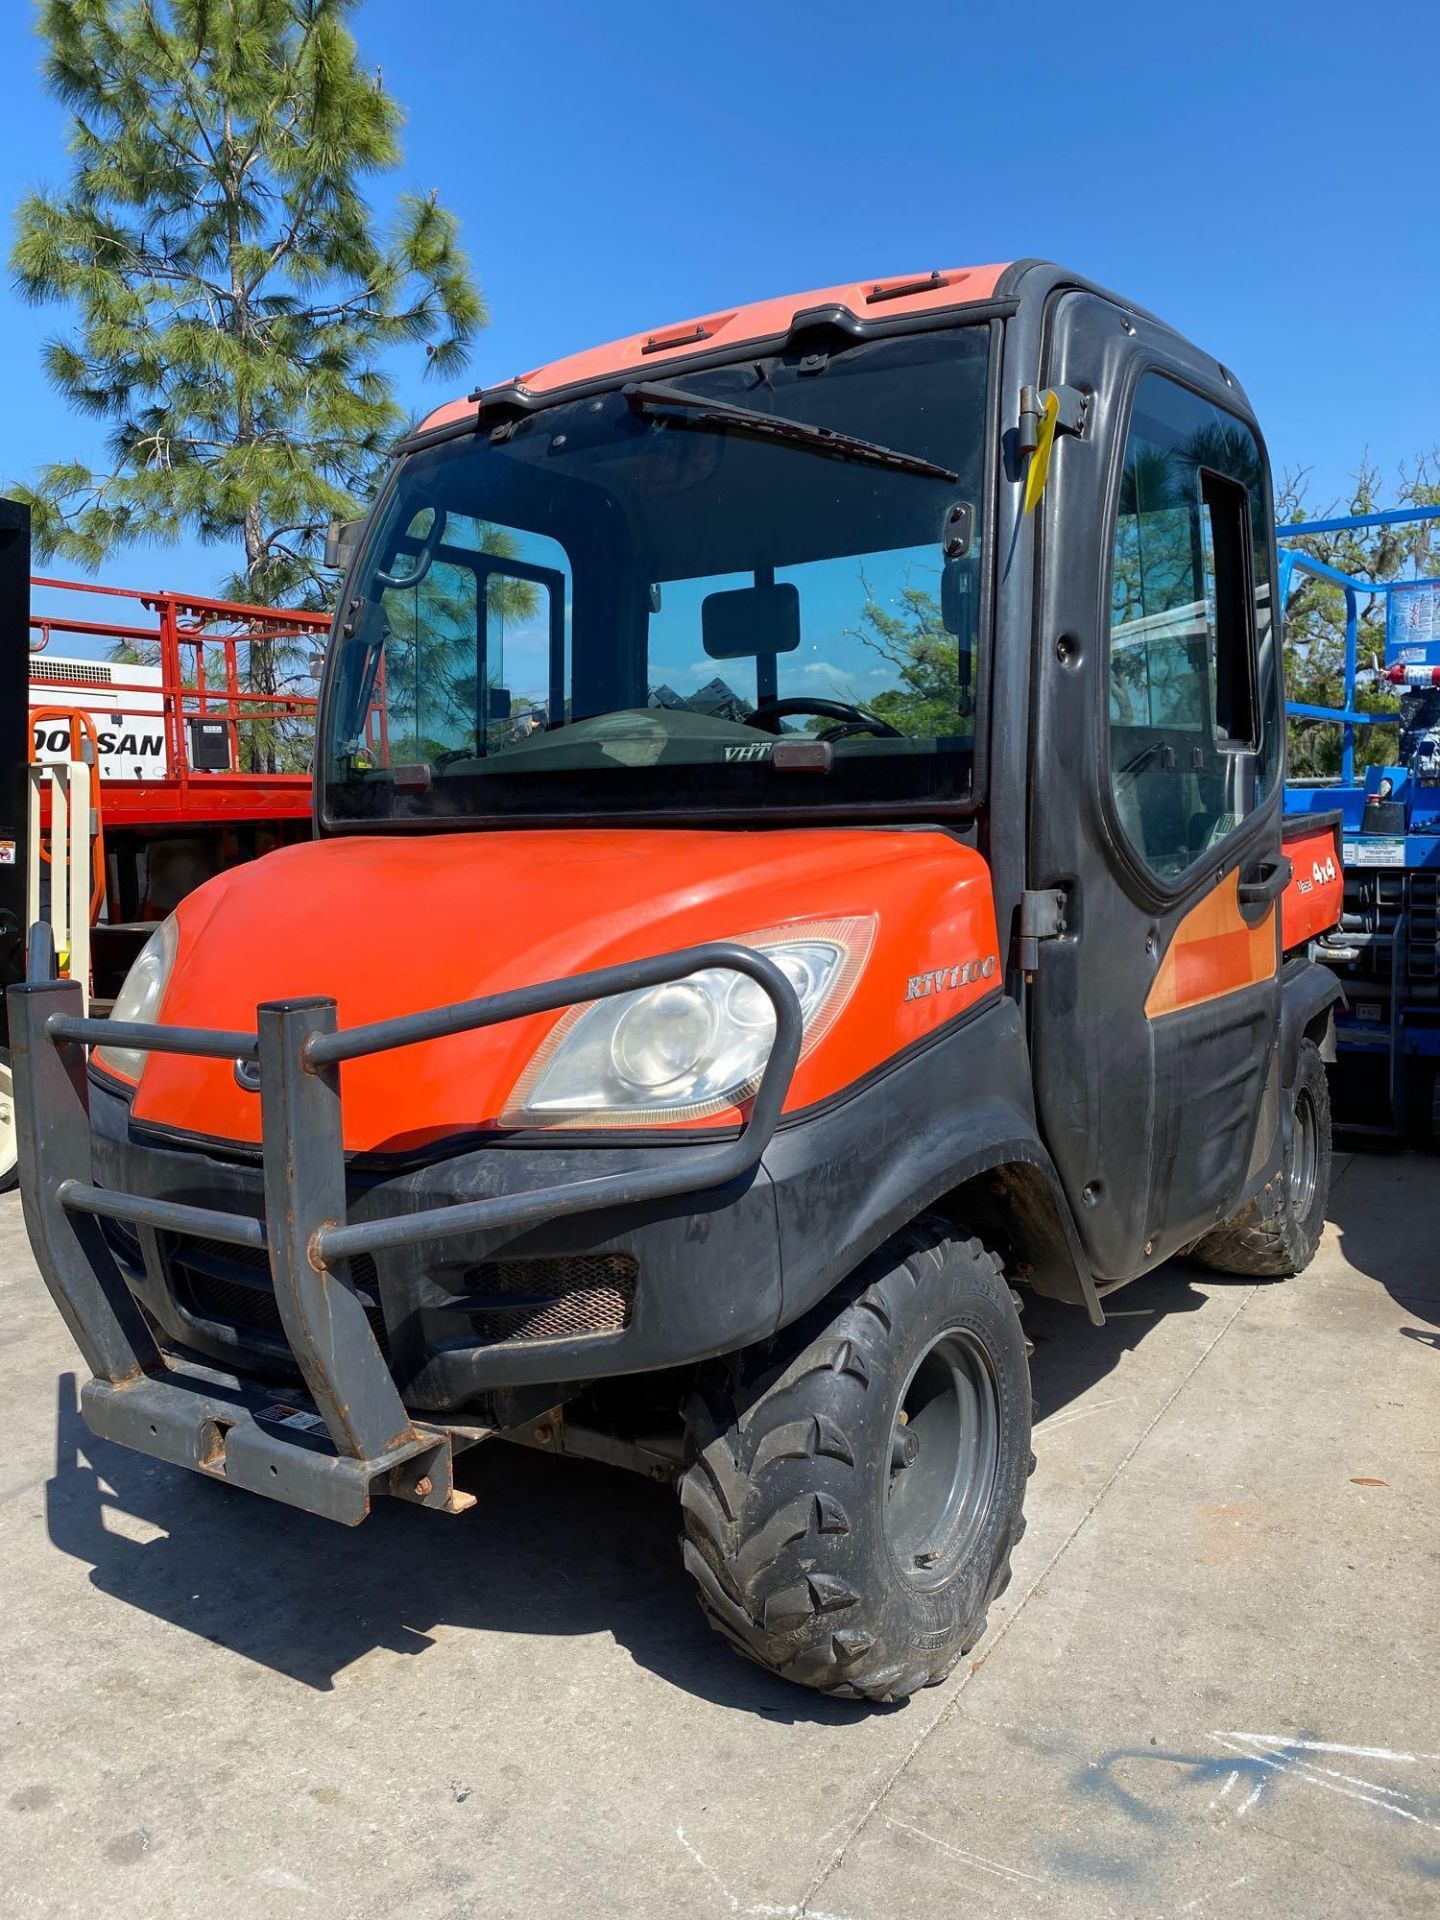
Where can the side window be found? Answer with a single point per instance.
(1192, 672)
(475, 640)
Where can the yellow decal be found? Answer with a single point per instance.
(1040, 458)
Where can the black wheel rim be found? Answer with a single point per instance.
(944, 1459)
(1304, 1154)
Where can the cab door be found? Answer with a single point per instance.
(1156, 774)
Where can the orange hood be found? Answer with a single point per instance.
(389, 925)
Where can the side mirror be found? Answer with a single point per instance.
(342, 537)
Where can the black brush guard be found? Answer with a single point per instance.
(354, 1438)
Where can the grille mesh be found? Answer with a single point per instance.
(564, 1299)
(362, 1267)
(123, 1244)
(577, 1297)
(193, 1245)
(204, 1287)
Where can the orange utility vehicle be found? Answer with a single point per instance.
(825, 871)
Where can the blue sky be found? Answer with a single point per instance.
(1262, 175)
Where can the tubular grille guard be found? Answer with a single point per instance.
(135, 1396)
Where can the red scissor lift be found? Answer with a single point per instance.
(232, 712)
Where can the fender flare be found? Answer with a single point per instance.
(1013, 1194)
(1307, 990)
(951, 1126)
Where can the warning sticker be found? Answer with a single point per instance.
(294, 1417)
(1375, 850)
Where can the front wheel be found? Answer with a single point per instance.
(849, 1523)
(1276, 1233)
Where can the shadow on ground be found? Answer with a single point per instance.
(1387, 1215)
(1071, 1356)
(552, 1547)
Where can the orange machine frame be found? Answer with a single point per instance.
(185, 628)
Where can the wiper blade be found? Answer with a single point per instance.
(654, 396)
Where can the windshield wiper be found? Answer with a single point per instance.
(654, 396)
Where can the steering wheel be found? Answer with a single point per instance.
(768, 714)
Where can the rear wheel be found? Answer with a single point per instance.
(9, 1152)
(1276, 1233)
(849, 1522)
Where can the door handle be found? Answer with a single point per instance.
(1264, 882)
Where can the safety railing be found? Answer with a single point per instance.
(1347, 716)
(298, 1049)
(223, 662)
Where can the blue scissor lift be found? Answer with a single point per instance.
(1386, 949)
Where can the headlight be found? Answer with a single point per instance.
(140, 997)
(691, 1048)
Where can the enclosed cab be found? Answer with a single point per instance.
(798, 859)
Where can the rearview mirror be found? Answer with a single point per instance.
(746, 621)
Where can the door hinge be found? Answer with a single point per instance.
(1042, 917)
(1070, 414)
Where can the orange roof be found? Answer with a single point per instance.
(648, 353)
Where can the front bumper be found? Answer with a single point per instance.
(117, 1220)
(460, 1321)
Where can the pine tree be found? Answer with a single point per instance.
(237, 307)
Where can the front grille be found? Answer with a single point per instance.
(124, 1245)
(577, 1297)
(574, 1298)
(192, 1247)
(231, 1286)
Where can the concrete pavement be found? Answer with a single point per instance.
(1211, 1690)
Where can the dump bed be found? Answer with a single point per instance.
(1312, 900)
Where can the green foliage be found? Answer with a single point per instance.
(1315, 610)
(926, 658)
(235, 301)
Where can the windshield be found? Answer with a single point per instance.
(654, 601)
